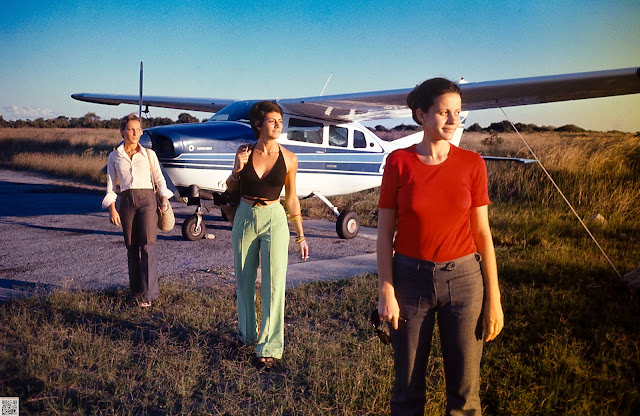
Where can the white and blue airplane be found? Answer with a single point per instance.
(336, 154)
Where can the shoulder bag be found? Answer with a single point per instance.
(166, 219)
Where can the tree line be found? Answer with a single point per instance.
(506, 127)
(497, 127)
(92, 121)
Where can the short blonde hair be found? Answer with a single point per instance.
(126, 119)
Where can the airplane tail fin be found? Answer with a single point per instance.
(402, 142)
(458, 135)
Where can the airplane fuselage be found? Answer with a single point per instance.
(333, 159)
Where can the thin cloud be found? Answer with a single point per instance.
(13, 112)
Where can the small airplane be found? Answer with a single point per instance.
(336, 154)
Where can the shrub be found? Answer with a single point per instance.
(492, 140)
(475, 128)
(570, 128)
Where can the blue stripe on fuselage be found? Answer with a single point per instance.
(347, 161)
(326, 170)
(303, 167)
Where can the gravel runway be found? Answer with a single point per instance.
(53, 234)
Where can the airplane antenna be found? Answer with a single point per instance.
(140, 102)
(326, 83)
(562, 195)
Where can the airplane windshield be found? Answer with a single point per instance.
(238, 111)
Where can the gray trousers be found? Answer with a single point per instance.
(452, 293)
(139, 221)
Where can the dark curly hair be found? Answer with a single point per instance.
(258, 112)
(424, 95)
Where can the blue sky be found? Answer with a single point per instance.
(236, 49)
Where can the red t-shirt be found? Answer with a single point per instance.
(433, 202)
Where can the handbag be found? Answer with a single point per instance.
(166, 219)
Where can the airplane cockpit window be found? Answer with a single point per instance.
(359, 142)
(305, 131)
(338, 136)
(238, 111)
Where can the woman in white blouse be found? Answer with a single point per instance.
(132, 165)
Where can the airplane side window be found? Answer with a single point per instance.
(338, 136)
(305, 131)
(359, 142)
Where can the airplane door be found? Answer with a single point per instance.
(304, 136)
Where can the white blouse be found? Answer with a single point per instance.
(133, 173)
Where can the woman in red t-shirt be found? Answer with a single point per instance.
(441, 264)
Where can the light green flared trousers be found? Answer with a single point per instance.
(261, 232)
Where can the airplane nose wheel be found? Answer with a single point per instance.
(192, 229)
(347, 224)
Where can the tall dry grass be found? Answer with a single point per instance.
(78, 154)
(69, 140)
(599, 172)
(87, 168)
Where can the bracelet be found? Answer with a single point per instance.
(300, 239)
(293, 218)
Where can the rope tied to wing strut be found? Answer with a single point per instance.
(562, 194)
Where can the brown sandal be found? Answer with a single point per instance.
(266, 362)
(142, 302)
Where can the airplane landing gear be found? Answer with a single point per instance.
(348, 222)
(193, 228)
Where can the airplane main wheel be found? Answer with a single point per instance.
(348, 224)
(192, 232)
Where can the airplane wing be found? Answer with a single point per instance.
(194, 104)
(392, 103)
(475, 95)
